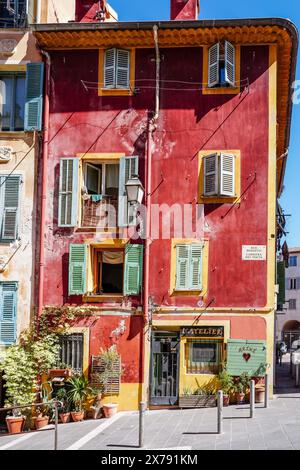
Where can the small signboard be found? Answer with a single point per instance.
(202, 331)
(254, 253)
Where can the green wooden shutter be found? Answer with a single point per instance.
(246, 356)
(77, 269)
(34, 96)
(196, 267)
(281, 282)
(183, 270)
(68, 192)
(129, 166)
(10, 197)
(8, 313)
(133, 269)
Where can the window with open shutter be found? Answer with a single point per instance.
(10, 203)
(129, 166)
(34, 96)
(77, 269)
(227, 175)
(8, 312)
(133, 269)
(68, 192)
(213, 65)
(211, 175)
(123, 67)
(230, 63)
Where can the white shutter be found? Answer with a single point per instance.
(129, 166)
(182, 267)
(123, 67)
(211, 175)
(230, 63)
(196, 267)
(227, 175)
(110, 68)
(213, 65)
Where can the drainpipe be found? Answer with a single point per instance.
(44, 184)
(151, 129)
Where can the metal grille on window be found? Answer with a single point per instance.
(203, 356)
(71, 351)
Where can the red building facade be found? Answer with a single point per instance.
(196, 118)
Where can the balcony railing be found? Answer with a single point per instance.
(99, 211)
(13, 14)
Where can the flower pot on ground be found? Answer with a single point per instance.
(15, 424)
(110, 409)
(259, 394)
(78, 390)
(65, 417)
(239, 392)
(64, 407)
(41, 422)
(226, 384)
(77, 416)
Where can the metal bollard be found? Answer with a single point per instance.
(142, 424)
(56, 425)
(267, 391)
(297, 375)
(220, 411)
(252, 398)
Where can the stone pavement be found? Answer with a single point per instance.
(277, 427)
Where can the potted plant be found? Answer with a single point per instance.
(239, 392)
(226, 384)
(97, 404)
(78, 391)
(62, 397)
(109, 358)
(42, 418)
(15, 423)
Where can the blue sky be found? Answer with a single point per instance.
(143, 10)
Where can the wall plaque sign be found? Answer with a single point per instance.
(202, 331)
(5, 154)
(254, 252)
(7, 46)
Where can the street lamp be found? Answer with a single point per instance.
(135, 190)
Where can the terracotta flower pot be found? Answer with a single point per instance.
(225, 400)
(77, 416)
(65, 417)
(15, 424)
(240, 398)
(41, 422)
(110, 409)
(259, 395)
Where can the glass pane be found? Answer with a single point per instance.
(20, 103)
(6, 89)
(93, 179)
(112, 180)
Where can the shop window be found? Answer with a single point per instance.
(203, 356)
(71, 351)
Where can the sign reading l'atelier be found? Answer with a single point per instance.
(203, 331)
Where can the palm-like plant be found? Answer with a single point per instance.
(78, 391)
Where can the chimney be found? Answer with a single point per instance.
(182, 10)
(92, 11)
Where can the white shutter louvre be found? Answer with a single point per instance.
(123, 67)
(129, 166)
(227, 175)
(230, 63)
(110, 68)
(211, 175)
(213, 65)
(196, 267)
(182, 267)
(11, 201)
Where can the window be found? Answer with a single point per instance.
(203, 356)
(13, 13)
(21, 99)
(12, 108)
(8, 312)
(189, 267)
(117, 69)
(219, 175)
(292, 304)
(71, 351)
(9, 208)
(293, 283)
(114, 271)
(103, 192)
(221, 65)
(292, 261)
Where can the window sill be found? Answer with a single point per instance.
(14, 134)
(195, 293)
(103, 298)
(218, 199)
(114, 92)
(222, 91)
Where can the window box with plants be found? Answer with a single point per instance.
(198, 398)
(61, 371)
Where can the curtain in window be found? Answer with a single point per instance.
(113, 257)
